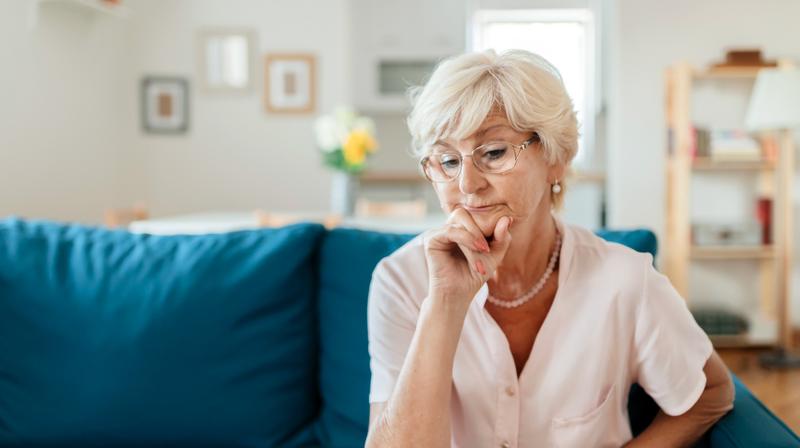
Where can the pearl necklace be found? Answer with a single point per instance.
(538, 286)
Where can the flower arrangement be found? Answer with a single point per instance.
(345, 139)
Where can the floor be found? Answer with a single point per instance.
(779, 390)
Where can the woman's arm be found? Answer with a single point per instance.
(687, 428)
(460, 260)
(418, 413)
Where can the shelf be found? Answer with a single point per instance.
(728, 73)
(732, 252)
(739, 341)
(762, 333)
(709, 164)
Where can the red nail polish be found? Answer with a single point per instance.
(479, 267)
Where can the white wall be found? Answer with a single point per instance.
(74, 145)
(71, 143)
(646, 37)
(59, 126)
(235, 155)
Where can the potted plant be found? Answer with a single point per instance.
(346, 140)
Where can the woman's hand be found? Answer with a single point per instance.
(460, 259)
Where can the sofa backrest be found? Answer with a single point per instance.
(109, 338)
(252, 338)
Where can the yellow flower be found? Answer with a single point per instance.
(356, 147)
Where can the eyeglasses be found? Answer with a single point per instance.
(494, 157)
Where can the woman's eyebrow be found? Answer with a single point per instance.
(480, 134)
(440, 143)
(483, 132)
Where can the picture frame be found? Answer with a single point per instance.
(290, 83)
(226, 59)
(165, 104)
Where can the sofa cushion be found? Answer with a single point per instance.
(344, 362)
(109, 338)
(344, 359)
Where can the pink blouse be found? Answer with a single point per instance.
(615, 321)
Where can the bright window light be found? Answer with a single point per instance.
(563, 37)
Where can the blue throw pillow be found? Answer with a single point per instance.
(109, 338)
(344, 359)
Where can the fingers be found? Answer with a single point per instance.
(502, 239)
(465, 219)
(477, 256)
(501, 231)
(462, 230)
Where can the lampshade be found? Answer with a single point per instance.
(775, 103)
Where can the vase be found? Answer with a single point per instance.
(343, 193)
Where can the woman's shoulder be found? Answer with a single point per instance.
(594, 258)
(410, 254)
(403, 274)
(589, 244)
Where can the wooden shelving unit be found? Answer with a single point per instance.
(774, 179)
(708, 164)
(732, 252)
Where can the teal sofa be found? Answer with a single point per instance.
(245, 339)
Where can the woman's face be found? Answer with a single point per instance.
(522, 193)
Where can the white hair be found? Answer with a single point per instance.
(463, 90)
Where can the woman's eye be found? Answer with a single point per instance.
(450, 163)
(495, 153)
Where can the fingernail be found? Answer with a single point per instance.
(479, 267)
(507, 231)
(478, 245)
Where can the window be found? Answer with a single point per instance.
(565, 38)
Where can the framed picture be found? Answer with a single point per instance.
(290, 83)
(165, 105)
(225, 57)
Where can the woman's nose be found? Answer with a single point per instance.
(471, 179)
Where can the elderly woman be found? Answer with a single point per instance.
(507, 327)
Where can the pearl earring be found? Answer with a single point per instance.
(556, 188)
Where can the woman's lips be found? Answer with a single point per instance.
(478, 209)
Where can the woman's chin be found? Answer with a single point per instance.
(486, 223)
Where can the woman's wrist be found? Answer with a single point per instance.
(446, 309)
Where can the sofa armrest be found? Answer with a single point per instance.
(749, 424)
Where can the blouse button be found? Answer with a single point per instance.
(505, 445)
(510, 391)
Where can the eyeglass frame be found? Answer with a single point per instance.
(517, 150)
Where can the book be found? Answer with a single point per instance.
(734, 145)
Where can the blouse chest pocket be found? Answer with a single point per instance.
(593, 428)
